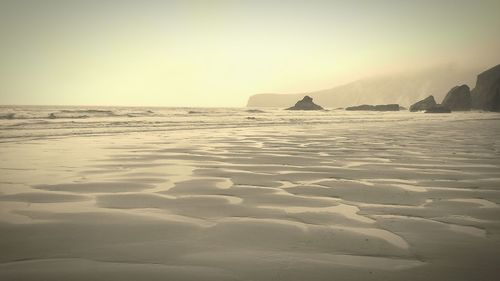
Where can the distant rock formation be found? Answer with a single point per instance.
(438, 108)
(404, 88)
(458, 99)
(305, 104)
(486, 94)
(379, 107)
(424, 104)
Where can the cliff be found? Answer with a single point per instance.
(486, 94)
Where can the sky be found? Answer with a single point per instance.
(218, 53)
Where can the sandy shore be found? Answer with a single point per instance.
(409, 200)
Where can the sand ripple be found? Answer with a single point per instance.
(377, 202)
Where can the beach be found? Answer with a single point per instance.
(238, 194)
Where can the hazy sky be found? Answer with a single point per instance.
(217, 53)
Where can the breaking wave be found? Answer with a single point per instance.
(73, 114)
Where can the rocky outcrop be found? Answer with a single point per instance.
(424, 104)
(458, 99)
(305, 104)
(438, 108)
(379, 107)
(486, 94)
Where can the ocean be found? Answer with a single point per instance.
(34, 122)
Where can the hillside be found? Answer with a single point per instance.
(403, 88)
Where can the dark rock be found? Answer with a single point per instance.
(379, 107)
(486, 94)
(387, 107)
(458, 99)
(438, 108)
(305, 104)
(424, 104)
(361, 107)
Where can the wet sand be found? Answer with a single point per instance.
(408, 200)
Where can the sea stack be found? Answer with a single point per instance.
(305, 104)
(378, 107)
(486, 94)
(424, 104)
(458, 99)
